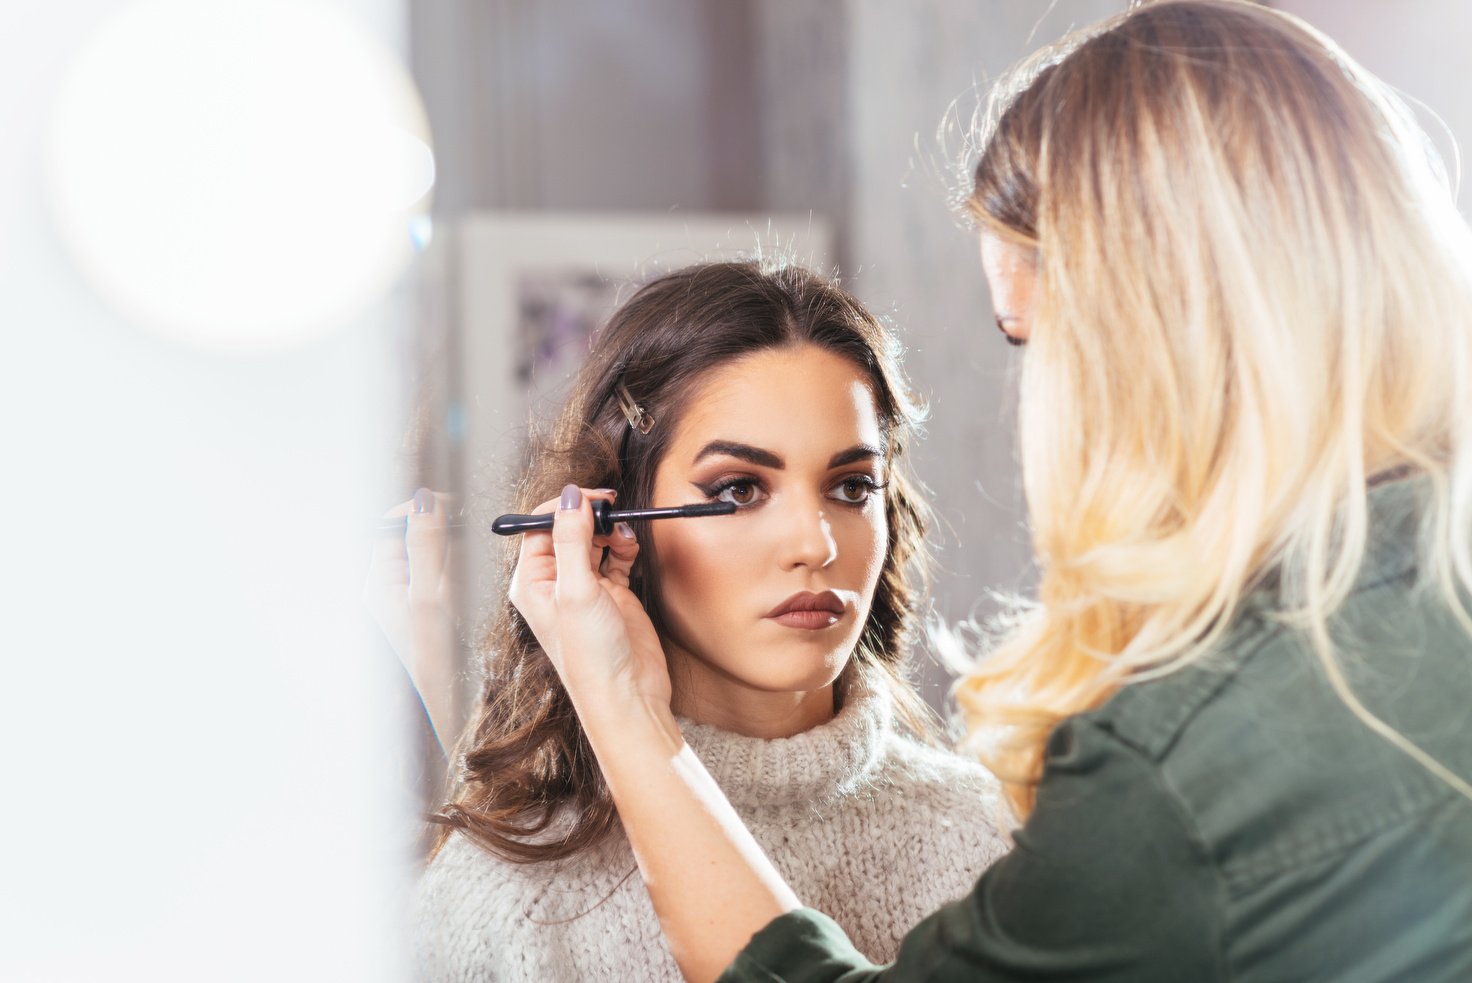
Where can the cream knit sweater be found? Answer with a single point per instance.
(867, 826)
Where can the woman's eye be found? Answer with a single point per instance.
(738, 493)
(856, 490)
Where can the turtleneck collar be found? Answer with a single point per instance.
(816, 766)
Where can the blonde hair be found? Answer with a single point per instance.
(1254, 295)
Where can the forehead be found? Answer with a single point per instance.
(794, 401)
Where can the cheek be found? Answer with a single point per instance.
(870, 545)
(696, 564)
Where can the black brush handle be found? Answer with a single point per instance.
(512, 523)
(605, 517)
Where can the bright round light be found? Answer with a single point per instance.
(238, 175)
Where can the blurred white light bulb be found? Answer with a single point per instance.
(238, 175)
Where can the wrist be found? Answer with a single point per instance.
(626, 721)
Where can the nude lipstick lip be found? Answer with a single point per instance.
(808, 610)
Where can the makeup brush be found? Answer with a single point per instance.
(604, 517)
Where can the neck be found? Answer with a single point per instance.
(707, 695)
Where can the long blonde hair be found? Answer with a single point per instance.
(1254, 295)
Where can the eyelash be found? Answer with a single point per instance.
(1010, 338)
(721, 485)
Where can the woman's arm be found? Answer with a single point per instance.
(712, 886)
(411, 592)
(1108, 880)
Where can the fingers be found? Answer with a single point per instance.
(596, 545)
(442, 501)
(539, 542)
(410, 590)
(388, 564)
(623, 550)
(540, 560)
(400, 510)
(425, 540)
(572, 531)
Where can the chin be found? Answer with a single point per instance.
(792, 669)
(774, 660)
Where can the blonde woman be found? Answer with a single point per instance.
(1235, 724)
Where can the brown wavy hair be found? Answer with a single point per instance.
(526, 761)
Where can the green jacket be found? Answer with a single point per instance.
(1230, 821)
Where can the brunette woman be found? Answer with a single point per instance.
(780, 634)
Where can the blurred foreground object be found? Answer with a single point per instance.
(238, 176)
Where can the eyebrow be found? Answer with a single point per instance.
(858, 452)
(766, 459)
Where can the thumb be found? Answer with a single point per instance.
(572, 531)
(425, 543)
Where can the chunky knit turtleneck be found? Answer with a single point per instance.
(868, 826)
(816, 766)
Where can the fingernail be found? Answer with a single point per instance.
(625, 530)
(572, 498)
(424, 500)
(607, 491)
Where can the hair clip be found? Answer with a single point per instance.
(633, 412)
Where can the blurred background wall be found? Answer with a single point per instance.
(1420, 48)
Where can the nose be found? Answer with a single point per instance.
(809, 538)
